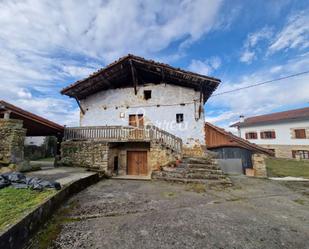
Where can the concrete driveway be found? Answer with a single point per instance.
(253, 213)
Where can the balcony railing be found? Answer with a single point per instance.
(124, 134)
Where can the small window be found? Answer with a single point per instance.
(251, 135)
(268, 135)
(300, 133)
(147, 94)
(179, 117)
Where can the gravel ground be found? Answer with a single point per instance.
(254, 213)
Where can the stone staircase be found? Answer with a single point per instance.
(194, 170)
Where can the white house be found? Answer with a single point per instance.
(136, 104)
(286, 133)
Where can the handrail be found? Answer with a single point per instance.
(124, 134)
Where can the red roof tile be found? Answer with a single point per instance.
(296, 114)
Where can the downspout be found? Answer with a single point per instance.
(79, 105)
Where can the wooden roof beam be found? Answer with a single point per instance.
(134, 78)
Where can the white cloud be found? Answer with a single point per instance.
(295, 34)
(247, 56)
(205, 67)
(250, 50)
(24, 93)
(220, 118)
(47, 44)
(265, 98)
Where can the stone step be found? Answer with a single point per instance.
(199, 166)
(201, 160)
(203, 170)
(225, 182)
(186, 175)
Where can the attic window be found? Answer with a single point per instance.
(147, 94)
(179, 117)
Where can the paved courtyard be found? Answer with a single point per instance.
(254, 213)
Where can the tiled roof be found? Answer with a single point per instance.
(296, 114)
(123, 70)
(19, 113)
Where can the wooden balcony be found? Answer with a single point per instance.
(124, 134)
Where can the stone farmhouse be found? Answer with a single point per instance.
(137, 115)
(285, 133)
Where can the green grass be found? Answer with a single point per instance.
(15, 203)
(286, 167)
(48, 159)
(53, 227)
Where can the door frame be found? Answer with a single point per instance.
(138, 150)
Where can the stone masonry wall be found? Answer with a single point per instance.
(12, 136)
(285, 151)
(88, 154)
(160, 155)
(196, 150)
(259, 165)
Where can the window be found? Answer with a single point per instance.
(179, 117)
(136, 120)
(303, 154)
(300, 133)
(268, 135)
(147, 94)
(251, 135)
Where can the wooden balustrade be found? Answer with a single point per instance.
(124, 134)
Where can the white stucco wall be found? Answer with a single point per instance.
(283, 133)
(38, 141)
(104, 108)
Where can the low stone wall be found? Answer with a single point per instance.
(89, 154)
(259, 165)
(285, 151)
(12, 136)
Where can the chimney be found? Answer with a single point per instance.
(241, 118)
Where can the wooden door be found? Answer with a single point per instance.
(137, 163)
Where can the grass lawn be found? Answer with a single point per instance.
(15, 203)
(47, 159)
(284, 167)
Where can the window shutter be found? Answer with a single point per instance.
(300, 133)
(273, 134)
(262, 135)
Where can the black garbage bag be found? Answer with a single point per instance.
(16, 177)
(19, 180)
(4, 182)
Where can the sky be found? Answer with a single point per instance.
(47, 45)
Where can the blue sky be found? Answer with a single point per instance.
(46, 45)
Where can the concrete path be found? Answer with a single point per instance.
(254, 213)
(63, 175)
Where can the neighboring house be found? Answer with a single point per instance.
(15, 125)
(37, 141)
(140, 113)
(285, 133)
(229, 146)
